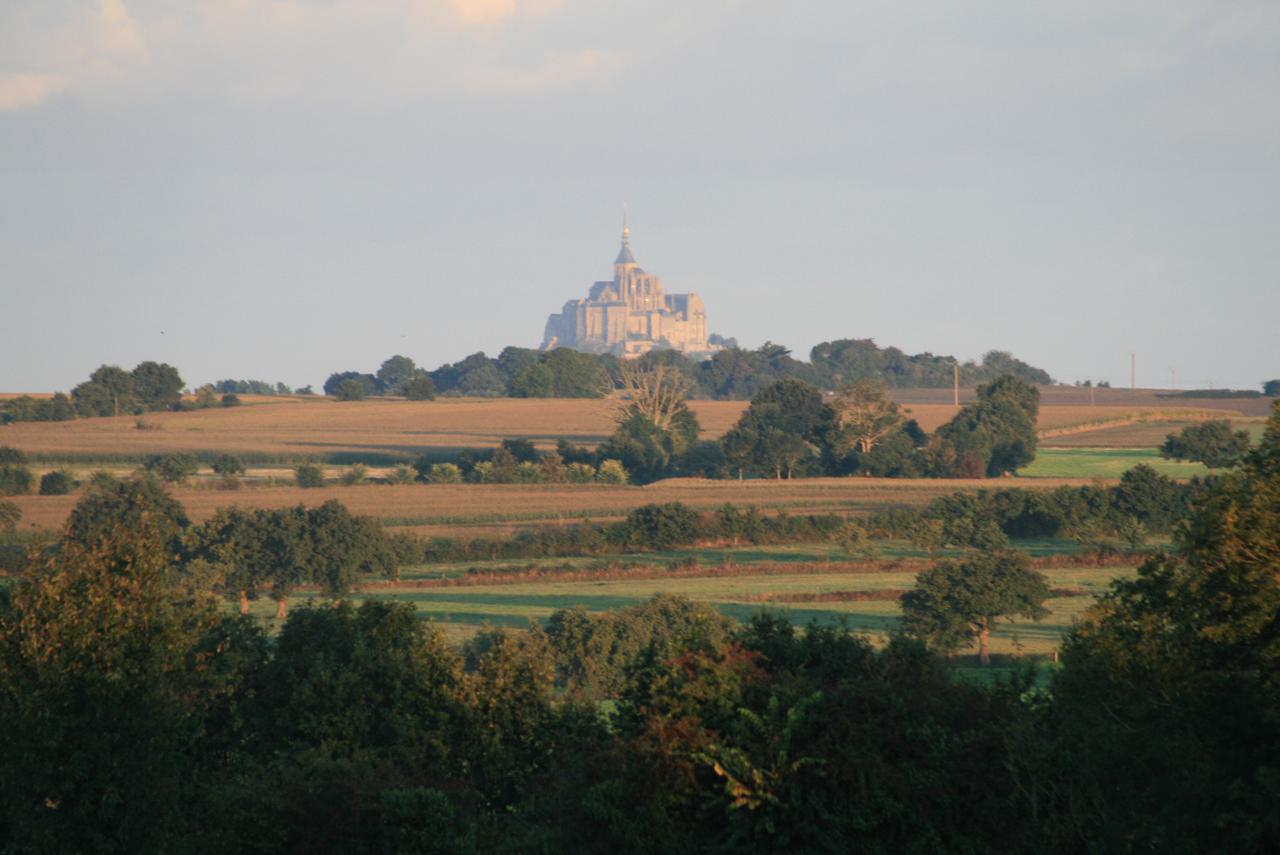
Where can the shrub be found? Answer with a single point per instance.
(15, 479)
(611, 472)
(11, 456)
(227, 464)
(354, 475)
(231, 399)
(308, 475)
(173, 468)
(580, 473)
(56, 483)
(350, 390)
(9, 516)
(529, 473)
(401, 474)
(662, 526)
(420, 389)
(444, 473)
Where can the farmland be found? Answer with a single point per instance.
(1079, 442)
(270, 430)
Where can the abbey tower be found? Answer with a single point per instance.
(630, 315)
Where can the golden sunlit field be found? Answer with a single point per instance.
(453, 508)
(299, 428)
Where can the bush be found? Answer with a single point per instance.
(444, 473)
(529, 473)
(56, 483)
(611, 472)
(662, 526)
(420, 389)
(580, 473)
(231, 399)
(173, 468)
(308, 475)
(350, 390)
(15, 480)
(401, 474)
(9, 516)
(227, 464)
(11, 456)
(353, 475)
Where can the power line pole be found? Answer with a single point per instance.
(955, 384)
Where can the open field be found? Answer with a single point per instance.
(464, 610)
(283, 430)
(1107, 463)
(423, 506)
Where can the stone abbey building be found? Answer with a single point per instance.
(630, 315)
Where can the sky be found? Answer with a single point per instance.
(282, 190)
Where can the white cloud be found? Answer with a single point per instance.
(21, 91)
(491, 11)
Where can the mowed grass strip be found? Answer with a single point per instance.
(1105, 463)
(468, 609)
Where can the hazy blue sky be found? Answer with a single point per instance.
(287, 189)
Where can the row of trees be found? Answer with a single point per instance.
(790, 429)
(109, 391)
(733, 373)
(138, 716)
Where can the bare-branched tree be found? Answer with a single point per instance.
(657, 391)
(866, 413)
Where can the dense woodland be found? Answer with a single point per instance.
(137, 715)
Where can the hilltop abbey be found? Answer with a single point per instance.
(630, 315)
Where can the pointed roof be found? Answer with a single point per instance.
(624, 254)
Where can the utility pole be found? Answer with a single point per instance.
(1091, 388)
(955, 384)
(1133, 372)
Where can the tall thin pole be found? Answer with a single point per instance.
(1133, 371)
(955, 384)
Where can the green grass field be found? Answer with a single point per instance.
(1104, 463)
(462, 611)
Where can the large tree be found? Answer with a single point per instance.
(1211, 443)
(994, 435)
(157, 385)
(1169, 699)
(960, 601)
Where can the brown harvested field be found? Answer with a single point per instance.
(1144, 434)
(442, 508)
(309, 427)
(294, 428)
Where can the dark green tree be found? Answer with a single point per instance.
(420, 388)
(350, 390)
(1211, 443)
(1168, 698)
(173, 467)
(56, 483)
(107, 392)
(157, 385)
(395, 373)
(991, 436)
(955, 603)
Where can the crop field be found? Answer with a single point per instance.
(426, 508)
(282, 430)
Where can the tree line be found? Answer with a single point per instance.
(137, 715)
(731, 374)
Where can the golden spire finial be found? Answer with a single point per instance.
(626, 231)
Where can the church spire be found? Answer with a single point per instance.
(624, 254)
